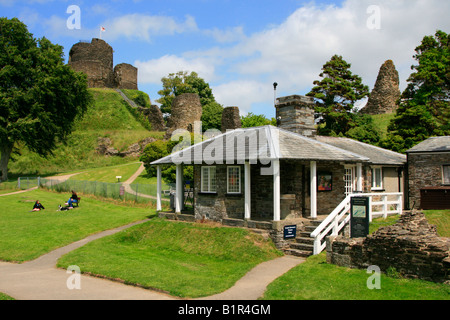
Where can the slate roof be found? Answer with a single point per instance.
(434, 144)
(376, 155)
(261, 143)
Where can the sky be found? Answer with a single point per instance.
(242, 47)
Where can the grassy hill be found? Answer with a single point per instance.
(382, 121)
(109, 116)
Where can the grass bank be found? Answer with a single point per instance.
(183, 259)
(317, 280)
(108, 117)
(26, 235)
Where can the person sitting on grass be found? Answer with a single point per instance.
(38, 206)
(73, 198)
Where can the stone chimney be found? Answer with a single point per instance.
(296, 113)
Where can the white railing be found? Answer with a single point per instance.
(340, 216)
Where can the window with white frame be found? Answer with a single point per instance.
(233, 179)
(208, 180)
(377, 178)
(350, 180)
(446, 174)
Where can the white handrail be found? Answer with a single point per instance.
(340, 216)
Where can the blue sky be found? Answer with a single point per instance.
(241, 47)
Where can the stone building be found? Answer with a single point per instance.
(429, 174)
(234, 173)
(95, 59)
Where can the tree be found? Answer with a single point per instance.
(160, 149)
(336, 95)
(182, 82)
(424, 109)
(256, 120)
(40, 96)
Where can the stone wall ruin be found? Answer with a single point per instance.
(231, 119)
(411, 246)
(95, 59)
(386, 92)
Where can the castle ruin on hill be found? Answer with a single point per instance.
(95, 59)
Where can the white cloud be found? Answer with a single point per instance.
(243, 94)
(152, 71)
(144, 27)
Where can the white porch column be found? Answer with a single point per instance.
(158, 188)
(247, 178)
(313, 188)
(359, 184)
(276, 190)
(179, 189)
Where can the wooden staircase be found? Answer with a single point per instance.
(304, 244)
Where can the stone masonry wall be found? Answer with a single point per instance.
(125, 76)
(95, 59)
(218, 205)
(411, 246)
(186, 110)
(231, 119)
(296, 114)
(425, 170)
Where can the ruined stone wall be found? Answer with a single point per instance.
(386, 92)
(411, 246)
(424, 170)
(125, 76)
(231, 119)
(186, 110)
(95, 59)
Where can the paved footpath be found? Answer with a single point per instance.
(41, 280)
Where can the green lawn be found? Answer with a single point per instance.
(26, 235)
(184, 259)
(109, 174)
(5, 297)
(317, 280)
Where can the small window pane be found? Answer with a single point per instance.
(234, 180)
(212, 179)
(446, 170)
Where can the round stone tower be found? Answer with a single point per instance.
(96, 60)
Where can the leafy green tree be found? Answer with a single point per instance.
(160, 149)
(40, 96)
(424, 109)
(336, 95)
(256, 120)
(183, 82)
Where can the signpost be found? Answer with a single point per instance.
(290, 232)
(359, 221)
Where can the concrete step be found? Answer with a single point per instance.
(298, 253)
(302, 246)
(306, 240)
(314, 223)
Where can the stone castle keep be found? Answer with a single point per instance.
(95, 59)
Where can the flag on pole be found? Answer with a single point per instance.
(102, 29)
